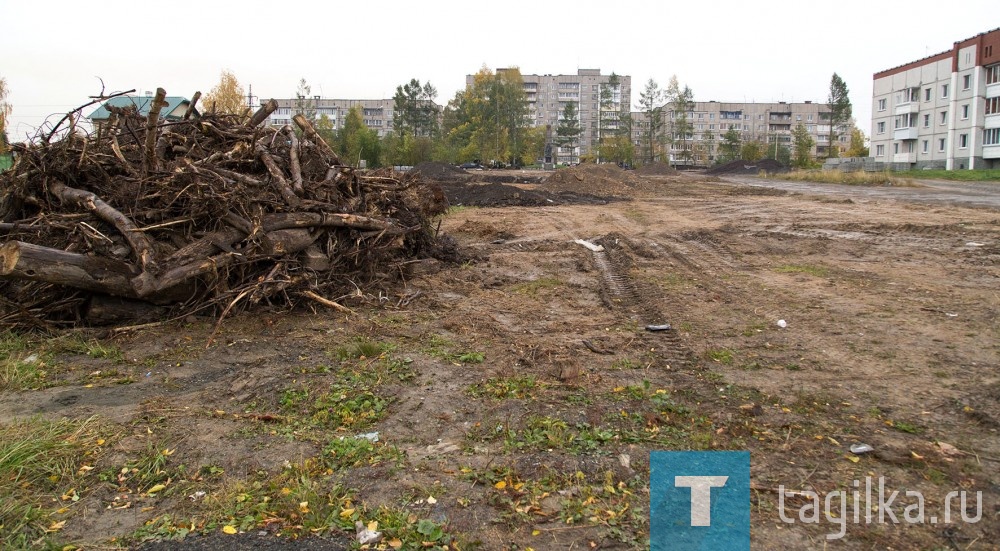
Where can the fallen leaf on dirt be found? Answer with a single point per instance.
(500, 485)
(346, 513)
(395, 543)
(156, 488)
(852, 458)
(56, 526)
(917, 456)
(431, 500)
(229, 529)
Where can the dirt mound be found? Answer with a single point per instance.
(503, 195)
(740, 166)
(433, 170)
(594, 179)
(656, 169)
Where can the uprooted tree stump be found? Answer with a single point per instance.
(150, 218)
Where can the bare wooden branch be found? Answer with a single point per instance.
(293, 159)
(141, 246)
(272, 167)
(310, 132)
(191, 106)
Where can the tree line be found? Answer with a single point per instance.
(489, 122)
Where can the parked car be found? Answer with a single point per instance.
(471, 166)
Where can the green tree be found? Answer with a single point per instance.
(651, 103)
(5, 111)
(356, 141)
(227, 97)
(568, 131)
(729, 149)
(802, 145)
(607, 115)
(753, 150)
(858, 147)
(325, 129)
(304, 102)
(489, 119)
(681, 128)
(414, 111)
(840, 111)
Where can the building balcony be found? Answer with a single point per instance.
(993, 90)
(992, 121)
(905, 133)
(905, 157)
(991, 151)
(907, 108)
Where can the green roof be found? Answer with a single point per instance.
(142, 104)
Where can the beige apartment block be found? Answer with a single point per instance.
(548, 95)
(767, 123)
(941, 111)
(376, 113)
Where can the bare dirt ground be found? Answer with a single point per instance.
(517, 396)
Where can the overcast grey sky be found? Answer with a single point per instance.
(54, 51)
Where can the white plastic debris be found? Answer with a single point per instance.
(366, 536)
(370, 436)
(782, 324)
(858, 449)
(589, 245)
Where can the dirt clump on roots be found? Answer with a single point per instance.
(594, 179)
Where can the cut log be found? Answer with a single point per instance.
(19, 260)
(263, 113)
(152, 120)
(313, 258)
(105, 310)
(272, 167)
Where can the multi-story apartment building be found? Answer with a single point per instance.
(376, 113)
(709, 121)
(941, 111)
(548, 95)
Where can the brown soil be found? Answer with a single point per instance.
(891, 340)
(740, 166)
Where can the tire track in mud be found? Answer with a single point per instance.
(625, 296)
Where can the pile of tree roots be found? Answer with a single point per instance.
(147, 218)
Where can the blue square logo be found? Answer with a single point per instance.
(699, 501)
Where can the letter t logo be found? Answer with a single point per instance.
(701, 495)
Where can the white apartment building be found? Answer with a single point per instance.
(941, 111)
(548, 95)
(768, 123)
(376, 113)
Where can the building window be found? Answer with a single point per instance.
(941, 145)
(966, 82)
(963, 141)
(927, 146)
(927, 94)
(881, 104)
(993, 105)
(895, 148)
(965, 111)
(944, 117)
(993, 74)
(991, 136)
(944, 90)
(927, 120)
(881, 127)
(880, 151)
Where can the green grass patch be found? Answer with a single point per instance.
(535, 286)
(992, 175)
(815, 271)
(40, 471)
(500, 388)
(721, 355)
(860, 178)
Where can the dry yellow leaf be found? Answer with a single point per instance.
(156, 488)
(395, 543)
(229, 529)
(346, 513)
(500, 485)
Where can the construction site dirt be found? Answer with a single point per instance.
(518, 395)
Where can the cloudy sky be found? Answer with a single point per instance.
(55, 51)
